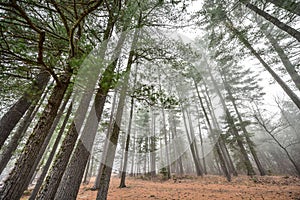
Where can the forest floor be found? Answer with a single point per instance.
(197, 188)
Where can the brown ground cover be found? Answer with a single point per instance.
(197, 188)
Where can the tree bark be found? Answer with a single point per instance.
(20, 132)
(244, 41)
(16, 183)
(48, 190)
(113, 138)
(290, 68)
(289, 5)
(57, 182)
(51, 156)
(16, 112)
(291, 31)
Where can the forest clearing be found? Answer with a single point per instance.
(200, 188)
(97, 95)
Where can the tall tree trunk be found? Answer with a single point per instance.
(133, 153)
(105, 177)
(289, 5)
(123, 174)
(153, 147)
(202, 147)
(166, 145)
(223, 146)
(104, 153)
(16, 112)
(290, 68)
(246, 134)
(20, 132)
(63, 181)
(233, 128)
(291, 31)
(16, 182)
(193, 151)
(113, 137)
(51, 156)
(37, 162)
(216, 140)
(192, 133)
(243, 40)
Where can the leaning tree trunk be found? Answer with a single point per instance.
(16, 182)
(246, 134)
(229, 118)
(19, 134)
(290, 68)
(289, 5)
(215, 123)
(283, 85)
(291, 31)
(221, 156)
(16, 112)
(113, 138)
(51, 156)
(48, 190)
(71, 180)
(67, 171)
(197, 164)
(104, 153)
(38, 158)
(192, 133)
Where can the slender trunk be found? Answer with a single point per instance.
(223, 146)
(289, 5)
(16, 182)
(51, 156)
(123, 144)
(133, 153)
(153, 147)
(16, 112)
(290, 68)
(113, 138)
(166, 145)
(288, 91)
(201, 143)
(293, 32)
(192, 133)
(246, 134)
(20, 132)
(196, 161)
(123, 174)
(216, 140)
(233, 128)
